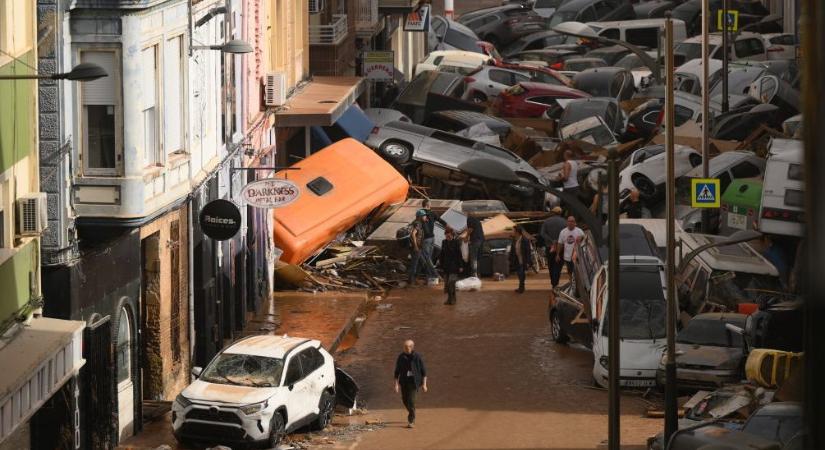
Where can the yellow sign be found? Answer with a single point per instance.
(731, 19)
(705, 193)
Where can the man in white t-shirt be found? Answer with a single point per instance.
(569, 237)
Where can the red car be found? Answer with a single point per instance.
(532, 99)
(536, 72)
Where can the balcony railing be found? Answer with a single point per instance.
(397, 5)
(330, 34)
(367, 20)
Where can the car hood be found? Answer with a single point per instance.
(706, 355)
(227, 393)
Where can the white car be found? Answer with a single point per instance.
(257, 390)
(454, 58)
(643, 321)
(487, 83)
(780, 45)
(645, 171)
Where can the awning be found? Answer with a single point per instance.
(36, 363)
(321, 102)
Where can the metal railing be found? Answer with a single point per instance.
(330, 34)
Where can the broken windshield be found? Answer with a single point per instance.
(712, 332)
(244, 370)
(642, 304)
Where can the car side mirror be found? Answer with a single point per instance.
(196, 371)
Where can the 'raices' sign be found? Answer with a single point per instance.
(270, 193)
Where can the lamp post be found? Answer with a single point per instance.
(671, 415)
(613, 302)
(80, 72)
(705, 104)
(235, 46)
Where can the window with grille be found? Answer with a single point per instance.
(100, 109)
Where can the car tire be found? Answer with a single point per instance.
(559, 336)
(646, 188)
(396, 151)
(277, 430)
(478, 97)
(326, 408)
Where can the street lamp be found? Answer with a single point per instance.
(735, 238)
(235, 46)
(80, 72)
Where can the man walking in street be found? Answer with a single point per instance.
(410, 374)
(550, 230)
(451, 263)
(475, 235)
(418, 248)
(522, 255)
(568, 239)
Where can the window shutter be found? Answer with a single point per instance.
(172, 95)
(100, 91)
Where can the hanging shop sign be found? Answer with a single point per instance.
(220, 219)
(418, 20)
(378, 65)
(270, 193)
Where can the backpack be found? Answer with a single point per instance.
(402, 236)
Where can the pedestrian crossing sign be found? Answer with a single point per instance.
(705, 193)
(729, 19)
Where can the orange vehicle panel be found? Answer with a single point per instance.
(361, 182)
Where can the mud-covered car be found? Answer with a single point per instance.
(708, 354)
(257, 390)
(420, 151)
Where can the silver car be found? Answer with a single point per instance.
(408, 145)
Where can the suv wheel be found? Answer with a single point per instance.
(396, 151)
(555, 329)
(277, 430)
(326, 408)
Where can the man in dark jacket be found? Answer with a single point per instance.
(410, 374)
(474, 234)
(550, 230)
(521, 255)
(451, 263)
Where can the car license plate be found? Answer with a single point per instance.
(738, 221)
(638, 382)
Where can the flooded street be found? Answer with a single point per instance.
(496, 379)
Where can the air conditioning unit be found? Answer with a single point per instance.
(32, 217)
(275, 89)
(316, 6)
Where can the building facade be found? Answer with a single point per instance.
(42, 356)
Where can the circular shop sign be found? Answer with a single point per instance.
(220, 219)
(270, 193)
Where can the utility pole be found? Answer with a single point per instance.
(813, 86)
(724, 55)
(613, 305)
(671, 417)
(448, 9)
(706, 104)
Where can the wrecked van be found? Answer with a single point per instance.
(339, 186)
(721, 278)
(783, 195)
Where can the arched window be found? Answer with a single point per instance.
(124, 346)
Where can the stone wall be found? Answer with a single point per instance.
(165, 304)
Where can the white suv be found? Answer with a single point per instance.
(257, 390)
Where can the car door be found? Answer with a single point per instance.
(311, 362)
(299, 401)
(598, 300)
(498, 81)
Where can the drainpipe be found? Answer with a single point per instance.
(191, 281)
